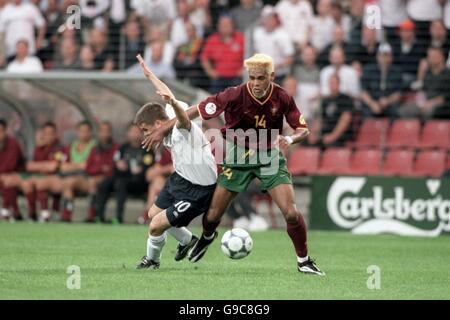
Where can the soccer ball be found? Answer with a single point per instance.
(236, 243)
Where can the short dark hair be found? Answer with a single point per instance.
(3, 123)
(49, 124)
(106, 123)
(149, 113)
(84, 123)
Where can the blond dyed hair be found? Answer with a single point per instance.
(260, 61)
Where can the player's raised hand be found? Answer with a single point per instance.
(148, 73)
(153, 140)
(165, 96)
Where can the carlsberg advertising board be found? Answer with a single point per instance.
(376, 205)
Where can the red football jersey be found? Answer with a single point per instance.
(49, 152)
(244, 111)
(11, 156)
(101, 158)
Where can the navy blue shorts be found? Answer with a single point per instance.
(184, 200)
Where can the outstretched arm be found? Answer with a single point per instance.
(159, 85)
(156, 137)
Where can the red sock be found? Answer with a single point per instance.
(31, 201)
(43, 199)
(66, 215)
(297, 233)
(92, 214)
(56, 202)
(6, 194)
(10, 200)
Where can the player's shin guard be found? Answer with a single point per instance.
(297, 233)
(155, 245)
(208, 226)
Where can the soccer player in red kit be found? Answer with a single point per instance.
(46, 158)
(254, 114)
(11, 162)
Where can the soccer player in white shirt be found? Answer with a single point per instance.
(189, 190)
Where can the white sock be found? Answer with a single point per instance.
(155, 246)
(301, 260)
(5, 213)
(182, 235)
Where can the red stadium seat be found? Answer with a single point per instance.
(436, 134)
(304, 160)
(372, 133)
(335, 161)
(366, 162)
(398, 163)
(430, 163)
(404, 133)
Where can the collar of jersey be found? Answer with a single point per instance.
(256, 99)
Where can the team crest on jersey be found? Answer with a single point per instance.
(274, 110)
(210, 108)
(59, 156)
(302, 120)
(148, 159)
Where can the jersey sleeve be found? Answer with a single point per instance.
(294, 116)
(93, 167)
(165, 158)
(213, 106)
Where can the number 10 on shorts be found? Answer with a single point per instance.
(182, 206)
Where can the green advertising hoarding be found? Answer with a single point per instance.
(375, 205)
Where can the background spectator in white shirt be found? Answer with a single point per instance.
(178, 35)
(446, 14)
(296, 16)
(393, 12)
(341, 19)
(271, 39)
(350, 86)
(322, 25)
(24, 63)
(158, 12)
(158, 34)
(422, 13)
(156, 63)
(18, 21)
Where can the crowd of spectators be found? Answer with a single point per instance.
(395, 67)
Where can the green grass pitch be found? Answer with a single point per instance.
(34, 260)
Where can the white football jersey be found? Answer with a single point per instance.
(191, 155)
